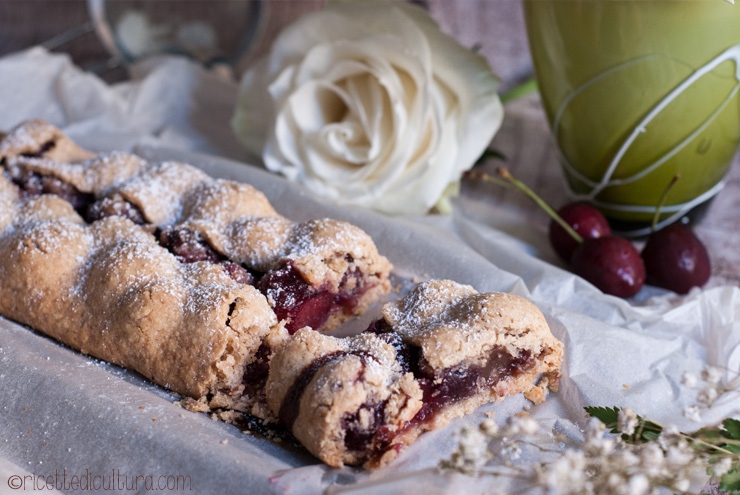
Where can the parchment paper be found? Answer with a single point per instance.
(64, 414)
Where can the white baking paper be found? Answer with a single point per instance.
(68, 417)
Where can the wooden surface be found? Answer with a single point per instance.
(496, 27)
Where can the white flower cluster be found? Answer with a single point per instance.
(714, 387)
(598, 463)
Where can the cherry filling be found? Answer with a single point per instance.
(358, 436)
(439, 389)
(302, 304)
(255, 374)
(188, 247)
(33, 184)
(460, 382)
(114, 206)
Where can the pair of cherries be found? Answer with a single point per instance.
(672, 258)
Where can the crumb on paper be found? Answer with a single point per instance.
(194, 405)
(627, 386)
(490, 414)
(224, 442)
(537, 393)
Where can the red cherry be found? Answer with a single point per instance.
(585, 219)
(675, 259)
(611, 263)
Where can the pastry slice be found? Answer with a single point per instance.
(340, 397)
(437, 354)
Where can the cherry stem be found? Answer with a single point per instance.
(662, 200)
(508, 180)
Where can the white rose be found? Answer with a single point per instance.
(369, 103)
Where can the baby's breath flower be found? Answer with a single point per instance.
(707, 396)
(721, 467)
(471, 452)
(510, 449)
(712, 375)
(489, 427)
(594, 429)
(627, 421)
(638, 484)
(681, 484)
(689, 379)
(566, 474)
(595, 444)
(522, 424)
(693, 413)
(652, 460)
(680, 455)
(625, 459)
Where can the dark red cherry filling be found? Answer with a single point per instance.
(189, 247)
(255, 374)
(357, 436)
(302, 304)
(460, 382)
(440, 388)
(33, 184)
(114, 206)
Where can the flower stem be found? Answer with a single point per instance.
(518, 91)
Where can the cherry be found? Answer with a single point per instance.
(611, 263)
(675, 259)
(585, 219)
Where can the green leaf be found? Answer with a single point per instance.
(607, 415)
(730, 481)
(731, 429)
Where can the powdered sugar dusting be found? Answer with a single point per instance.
(23, 138)
(428, 305)
(158, 192)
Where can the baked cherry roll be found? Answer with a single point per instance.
(437, 354)
(467, 348)
(316, 273)
(110, 290)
